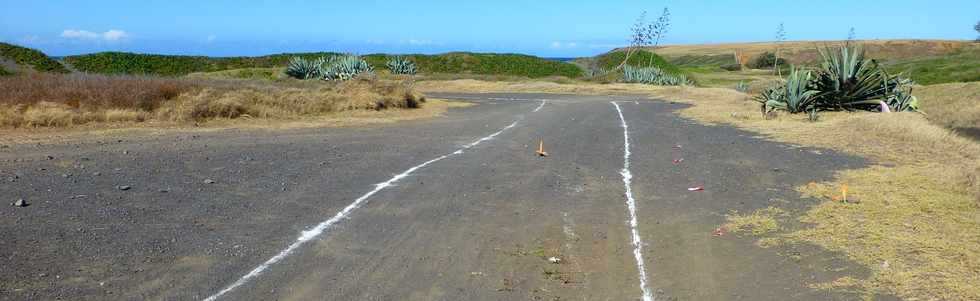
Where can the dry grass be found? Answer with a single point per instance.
(918, 207)
(758, 223)
(806, 51)
(50, 100)
(955, 106)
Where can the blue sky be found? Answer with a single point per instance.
(547, 28)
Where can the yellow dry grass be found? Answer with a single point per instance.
(918, 207)
(760, 222)
(955, 105)
(801, 51)
(227, 101)
(433, 108)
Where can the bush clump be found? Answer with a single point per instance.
(766, 60)
(339, 68)
(653, 76)
(845, 80)
(400, 65)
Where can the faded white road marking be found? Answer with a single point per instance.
(543, 101)
(319, 229)
(631, 203)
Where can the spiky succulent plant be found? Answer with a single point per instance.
(401, 65)
(344, 67)
(795, 96)
(301, 68)
(653, 76)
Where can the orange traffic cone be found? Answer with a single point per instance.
(541, 151)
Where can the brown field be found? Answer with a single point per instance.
(53, 100)
(806, 51)
(955, 106)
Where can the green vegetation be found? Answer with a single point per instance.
(400, 65)
(653, 76)
(4, 72)
(485, 63)
(29, 57)
(844, 81)
(174, 65)
(766, 60)
(456, 62)
(641, 59)
(340, 68)
(300, 68)
(962, 66)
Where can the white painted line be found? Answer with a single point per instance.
(543, 101)
(322, 227)
(631, 203)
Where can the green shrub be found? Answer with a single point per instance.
(485, 64)
(456, 62)
(300, 68)
(641, 59)
(766, 60)
(795, 96)
(653, 76)
(29, 57)
(4, 72)
(400, 65)
(177, 65)
(742, 86)
(731, 67)
(344, 67)
(845, 80)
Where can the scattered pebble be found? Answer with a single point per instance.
(554, 260)
(124, 187)
(20, 203)
(96, 173)
(208, 181)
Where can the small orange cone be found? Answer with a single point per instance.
(843, 192)
(541, 151)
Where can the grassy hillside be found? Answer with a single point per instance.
(611, 60)
(4, 72)
(34, 59)
(962, 66)
(174, 65)
(799, 52)
(456, 62)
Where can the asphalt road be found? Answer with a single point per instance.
(453, 208)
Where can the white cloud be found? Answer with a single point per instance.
(111, 35)
(375, 42)
(560, 45)
(210, 39)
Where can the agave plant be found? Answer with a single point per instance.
(400, 65)
(742, 86)
(301, 68)
(344, 67)
(849, 81)
(653, 76)
(795, 96)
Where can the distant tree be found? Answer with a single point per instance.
(977, 28)
(638, 38)
(780, 38)
(657, 30)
